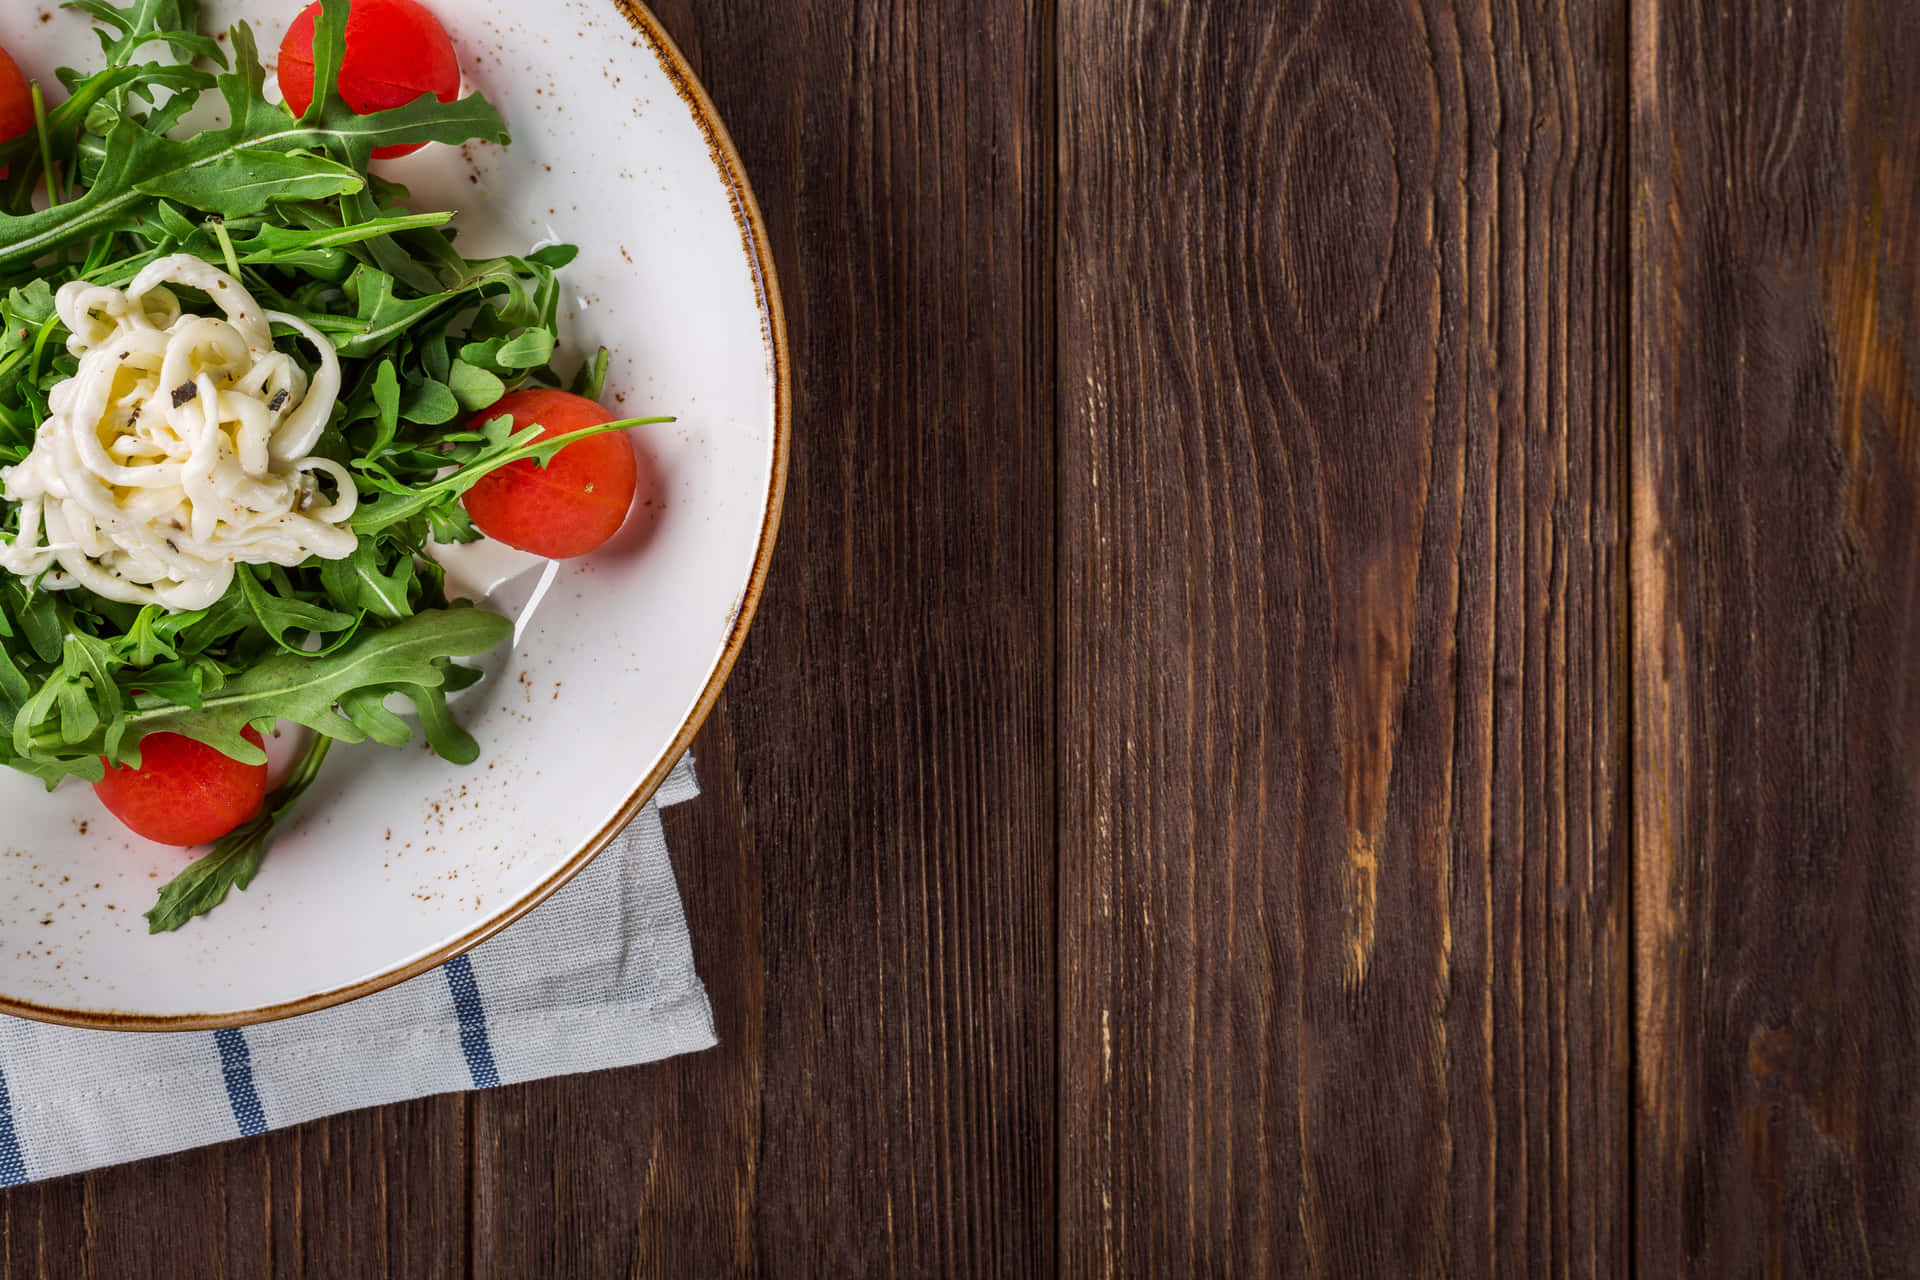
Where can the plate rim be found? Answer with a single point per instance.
(754, 237)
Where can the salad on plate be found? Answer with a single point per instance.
(247, 398)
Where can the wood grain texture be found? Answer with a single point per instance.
(869, 876)
(1343, 841)
(1776, 572)
(382, 1192)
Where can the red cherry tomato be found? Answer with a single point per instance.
(16, 102)
(184, 792)
(573, 504)
(396, 51)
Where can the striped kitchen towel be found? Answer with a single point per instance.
(600, 975)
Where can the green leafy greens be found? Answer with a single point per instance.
(424, 335)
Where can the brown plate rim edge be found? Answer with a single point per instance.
(753, 233)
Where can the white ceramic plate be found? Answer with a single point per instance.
(398, 860)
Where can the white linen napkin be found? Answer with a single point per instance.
(599, 975)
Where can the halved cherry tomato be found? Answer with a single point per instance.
(184, 792)
(573, 504)
(16, 101)
(396, 51)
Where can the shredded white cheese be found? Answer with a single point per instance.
(180, 448)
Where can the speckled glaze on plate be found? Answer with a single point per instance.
(397, 860)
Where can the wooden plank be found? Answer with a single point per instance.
(1343, 961)
(653, 1171)
(1776, 588)
(172, 1211)
(869, 876)
(383, 1191)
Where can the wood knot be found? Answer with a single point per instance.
(1339, 205)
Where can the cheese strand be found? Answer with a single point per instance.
(180, 448)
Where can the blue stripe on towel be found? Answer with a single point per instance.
(474, 1041)
(13, 1166)
(236, 1064)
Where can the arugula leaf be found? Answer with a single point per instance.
(142, 645)
(175, 22)
(185, 681)
(39, 616)
(386, 403)
(247, 180)
(449, 523)
(89, 663)
(528, 350)
(283, 246)
(367, 708)
(278, 613)
(235, 859)
(232, 864)
(306, 691)
(14, 687)
(431, 404)
(363, 581)
(448, 740)
(81, 691)
(592, 378)
(329, 52)
(475, 388)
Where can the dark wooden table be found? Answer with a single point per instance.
(1339, 693)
